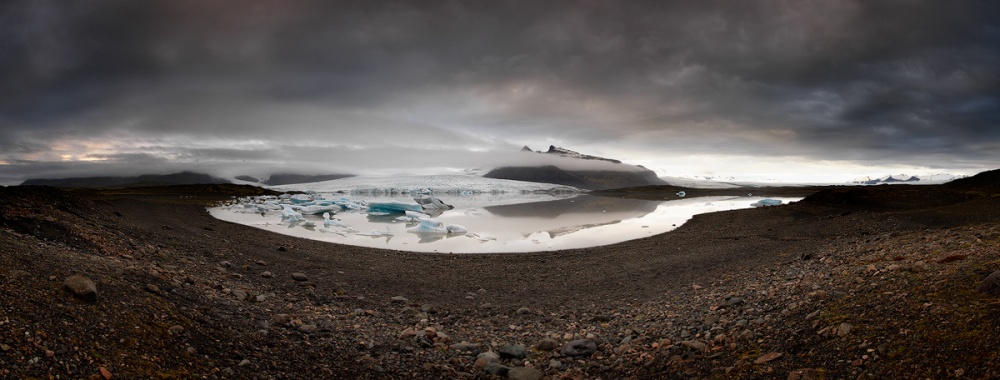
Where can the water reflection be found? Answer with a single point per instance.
(497, 225)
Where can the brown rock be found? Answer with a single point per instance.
(81, 287)
(767, 357)
(804, 374)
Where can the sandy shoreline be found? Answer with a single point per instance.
(161, 261)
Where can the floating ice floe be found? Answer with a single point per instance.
(384, 208)
(434, 226)
(766, 202)
(377, 233)
(681, 194)
(290, 215)
(327, 222)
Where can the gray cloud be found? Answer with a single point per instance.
(874, 82)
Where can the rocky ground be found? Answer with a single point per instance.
(877, 282)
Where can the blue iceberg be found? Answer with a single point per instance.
(393, 207)
(766, 202)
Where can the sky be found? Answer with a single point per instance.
(754, 90)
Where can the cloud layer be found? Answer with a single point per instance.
(350, 85)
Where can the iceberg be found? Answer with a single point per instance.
(393, 207)
(318, 209)
(327, 222)
(431, 203)
(766, 202)
(434, 226)
(290, 215)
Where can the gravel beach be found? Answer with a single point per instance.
(852, 282)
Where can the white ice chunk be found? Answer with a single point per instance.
(456, 229)
(327, 222)
(377, 233)
(317, 209)
(681, 194)
(429, 225)
(434, 226)
(766, 202)
(290, 215)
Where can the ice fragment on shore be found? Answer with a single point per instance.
(766, 202)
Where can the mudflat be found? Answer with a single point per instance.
(850, 282)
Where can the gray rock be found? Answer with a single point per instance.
(523, 311)
(711, 320)
(244, 363)
(555, 364)
(299, 276)
(990, 285)
(240, 295)
(267, 274)
(580, 347)
(228, 372)
(547, 344)
(524, 373)
(485, 358)
(513, 352)
(176, 329)
(81, 287)
(308, 329)
(495, 368)
(465, 347)
(399, 299)
(730, 302)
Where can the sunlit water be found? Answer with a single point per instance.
(545, 224)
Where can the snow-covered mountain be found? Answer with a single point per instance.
(904, 178)
(572, 168)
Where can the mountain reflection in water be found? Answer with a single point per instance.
(498, 225)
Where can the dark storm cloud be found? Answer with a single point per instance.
(870, 81)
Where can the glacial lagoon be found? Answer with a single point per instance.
(495, 224)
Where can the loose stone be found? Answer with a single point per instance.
(81, 287)
(844, 329)
(547, 344)
(524, 373)
(580, 347)
(299, 276)
(513, 352)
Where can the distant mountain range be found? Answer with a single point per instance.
(288, 179)
(599, 178)
(182, 178)
(903, 178)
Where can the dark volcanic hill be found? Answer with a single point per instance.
(182, 178)
(287, 179)
(597, 179)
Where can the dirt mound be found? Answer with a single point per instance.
(986, 181)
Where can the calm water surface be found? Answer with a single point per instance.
(545, 224)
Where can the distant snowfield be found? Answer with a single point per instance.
(437, 183)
